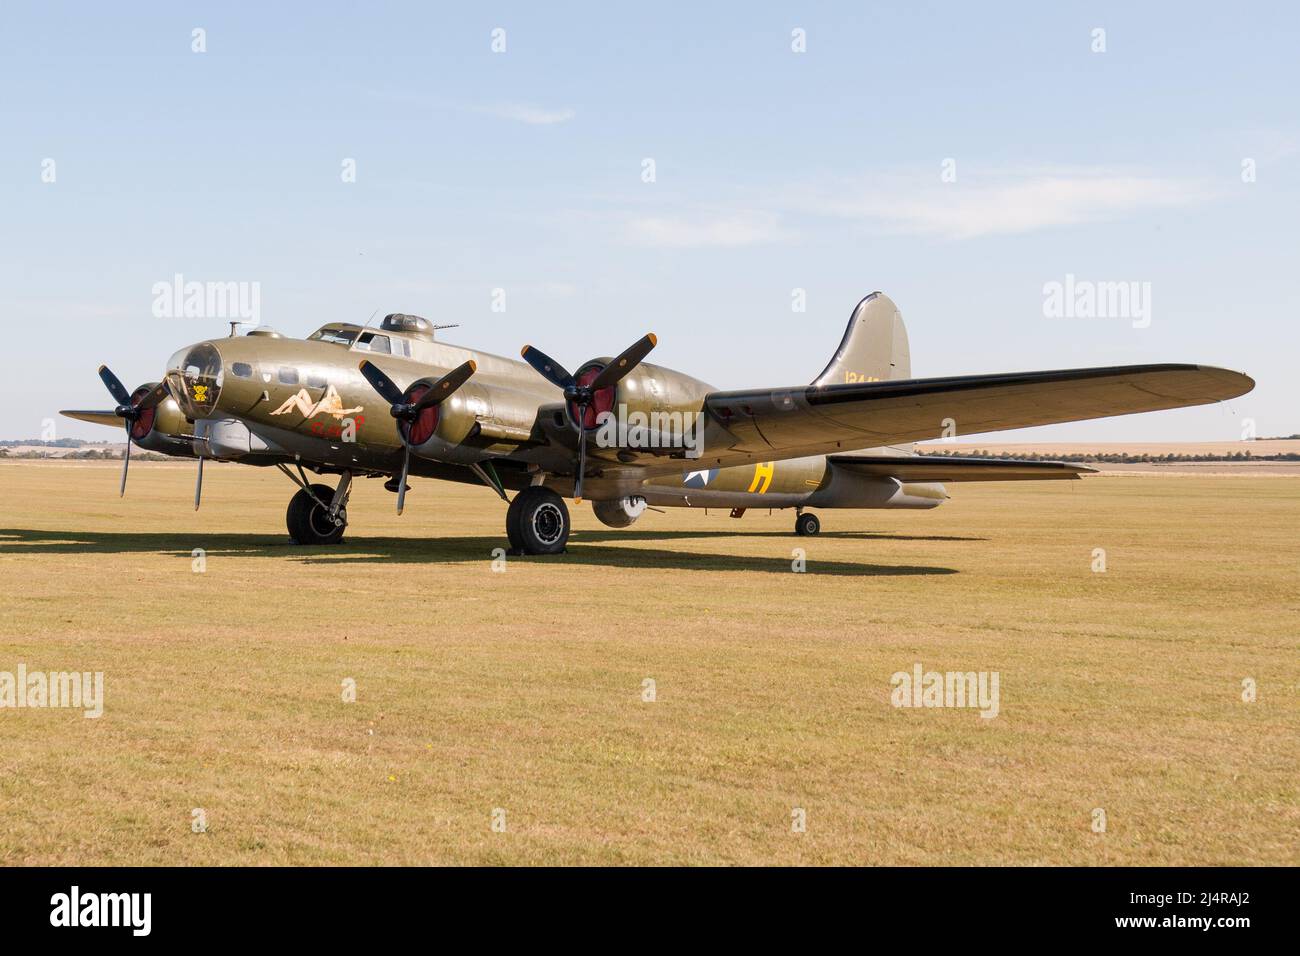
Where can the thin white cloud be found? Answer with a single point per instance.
(1268, 146)
(706, 229)
(532, 115)
(1006, 204)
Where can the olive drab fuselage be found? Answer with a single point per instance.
(262, 398)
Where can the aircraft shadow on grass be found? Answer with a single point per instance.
(447, 550)
(647, 535)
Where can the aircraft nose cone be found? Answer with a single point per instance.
(194, 378)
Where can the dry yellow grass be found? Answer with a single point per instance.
(522, 690)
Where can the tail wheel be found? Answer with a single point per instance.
(806, 524)
(540, 521)
(311, 524)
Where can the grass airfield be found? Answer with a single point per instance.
(521, 691)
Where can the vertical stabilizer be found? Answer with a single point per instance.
(874, 347)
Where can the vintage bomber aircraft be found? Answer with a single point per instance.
(394, 402)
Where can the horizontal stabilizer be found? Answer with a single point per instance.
(948, 468)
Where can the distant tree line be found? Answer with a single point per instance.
(55, 443)
(1118, 459)
(88, 454)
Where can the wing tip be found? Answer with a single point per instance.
(106, 417)
(1246, 383)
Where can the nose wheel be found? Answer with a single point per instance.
(806, 524)
(537, 522)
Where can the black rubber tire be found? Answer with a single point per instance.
(542, 521)
(512, 524)
(309, 523)
(807, 525)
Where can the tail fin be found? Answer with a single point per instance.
(874, 347)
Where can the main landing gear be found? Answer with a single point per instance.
(806, 524)
(537, 522)
(318, 514)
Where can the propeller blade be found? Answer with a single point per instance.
(442, 389)
(401, 484)
(381, 383)
(612, 373)
(547, 367)
(126, 463)
(115, 386)
(582, 454)
(198, 485)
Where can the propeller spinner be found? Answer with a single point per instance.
(581, 392)
(415, 409)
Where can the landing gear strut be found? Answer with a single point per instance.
(537, 522)
(806, 524)
(318, 514)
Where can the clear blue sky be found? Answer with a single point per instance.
(775, 170)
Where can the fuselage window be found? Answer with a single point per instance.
(316, 380)
(288, 376)
(241, 370)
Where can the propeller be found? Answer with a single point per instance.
(580, 392)
(136, 409)
(410, 408)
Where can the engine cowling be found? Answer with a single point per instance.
(619, 512)
(497, 414)
(162, 428)
(653, 407)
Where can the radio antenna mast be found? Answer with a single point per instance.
(353, 346)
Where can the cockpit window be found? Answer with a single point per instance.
(333, 336)
(366, 342)
(370, 342)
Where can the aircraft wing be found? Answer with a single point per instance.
(95, 417)
(773, 424)
(950, 468)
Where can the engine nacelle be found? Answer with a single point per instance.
(619, 512)
(652, 407)
(474, 411)
(648, 388)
